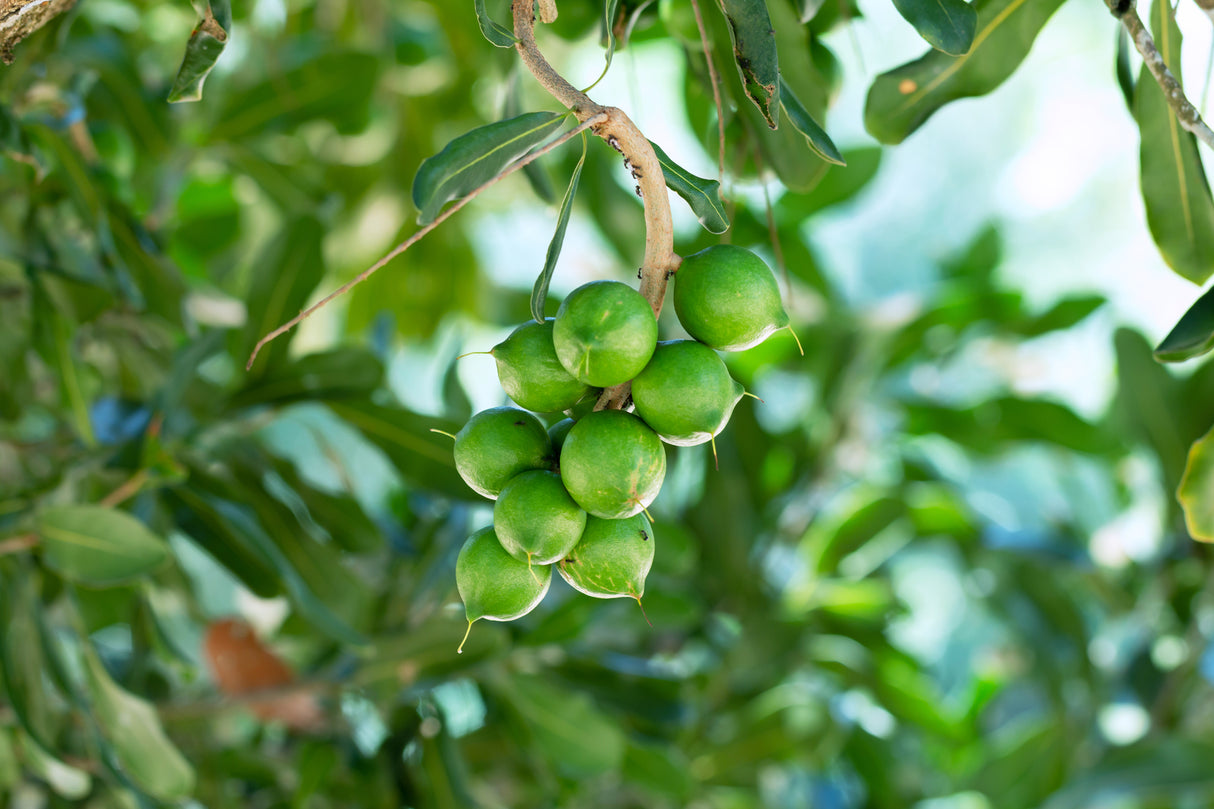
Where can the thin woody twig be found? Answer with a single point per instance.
(409, 242)
(1186, 114)
(716, 90)
(660, 261)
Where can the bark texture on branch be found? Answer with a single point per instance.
(20, 18)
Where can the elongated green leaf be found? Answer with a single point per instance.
(22, 663)
(703, 196)
(336, 86)
(10, 769)
(1125, 73)
(66, 781)
(901, 100)
(132, 728)
(494, 31)
(201, 521)
(830, 541)
(946, 25)
(573, 734)
(754, 53)
(335, 374)
(288, 271)
(989, 427)
(424, 458)
(475, 158)
(539, 293)
(534, 171)
(1164, 772)
(800, 118)
(207, 42)
(1193, 334)
(611, 10)
(661, 769)
(1063, 315)
(1196, 492)
(1180, 209)
(98, 546)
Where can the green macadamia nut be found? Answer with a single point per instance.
(535, 519)
(727, 298)
(493, 584)
(685, 393)
(604, 333)
(612, 464)
(497, 444)
(531, 374)
(613, 558)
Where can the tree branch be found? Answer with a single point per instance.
(587, 123)
(20, 18)
(1187, 114)
(660, 261)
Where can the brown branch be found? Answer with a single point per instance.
(1187, 114)
(660, 261)
(587, 123)
(20, 18)
(714, 80)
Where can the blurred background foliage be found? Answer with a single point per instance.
(910, 583)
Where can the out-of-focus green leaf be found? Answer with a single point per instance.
(1125, 73)
(830, 540)
(814, 134)
(754, 53)
(315, 765)
(1041, 749)
(990, 426)
(285, 276)
(539, 293)
(1163, 772)
(901, 100)
(336, 86)
(1196, 492)
(424, 458)
(132, 728)
(201, 519)
(426, 654)
(1193, 334)
(495, 32)
(476, 157)
(703, 196)
(66, 781)
(446, 774)
(838, 185)
(1180, 208)
(98, 546)
(22, 664)
(1148, 398)
(10, 769)
(1063, 315)
(579, 739)
(534, 171)
(344, 372)
(207, 42)
(658, 768)
(946, 25)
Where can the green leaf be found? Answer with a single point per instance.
(579, 739)
(336, 86)
(424, 458)
(1149, 399)
(98, 546)
(900, 101)
(427, 650)
(1062, 315)
(22, 663)
(997, 422)
(288, 271)
(1163, 772)
(611, 10)
(1193, 334)
(534, 171)
(837, 186)
(1125, 73)
(67, 782)
(207, 41)
(1180, 209)
(475, 158)
(495, 32)
(703, 196)
(334, 374)
(947, 25)
(660, 769)
(10, 769)
(132, 728)
(830, 540)
(539, 293)
(800, 118)
(754, 52)
(1196, 492)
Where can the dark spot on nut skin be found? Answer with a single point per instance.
(644, 537)
(520, 424)
(569, 560)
